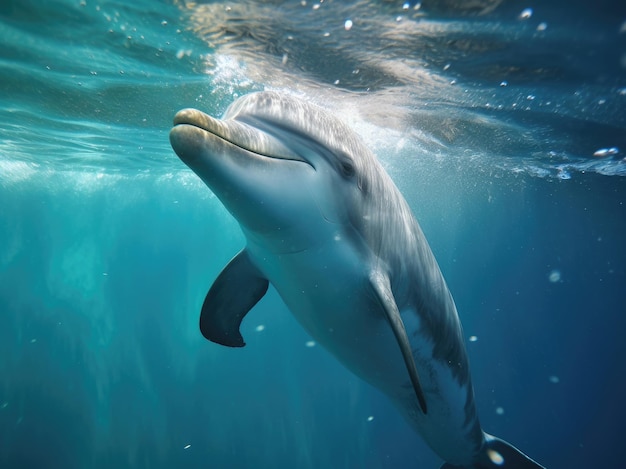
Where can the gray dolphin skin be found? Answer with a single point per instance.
(327, 227)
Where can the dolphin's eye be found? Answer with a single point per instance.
(347, 169)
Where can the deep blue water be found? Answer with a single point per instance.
(487, 122)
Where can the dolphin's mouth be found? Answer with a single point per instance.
(241, 135)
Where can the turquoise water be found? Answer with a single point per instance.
(491, 125)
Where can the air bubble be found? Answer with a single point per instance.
(495, 457)
(526, 14)
(554, 276)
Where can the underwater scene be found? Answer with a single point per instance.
(501, 122)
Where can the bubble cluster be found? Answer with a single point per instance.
(604, 152)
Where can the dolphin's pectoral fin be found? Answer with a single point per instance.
(238, 287)
(381, 286)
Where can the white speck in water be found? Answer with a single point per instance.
(285, 58)
(446, 67)
(405, 6)
(260, 328)
(526, 14)
(542, 26)
(326, 34)
(106, 274)
(310, 343)
(398, 19)
(504, 83)
(316, 6)
(473, 338)
(370, 418)
(336, 82)
(499, 410)
(163, 23)
(337, 237)
(555, 276)
(554, 379)
(187, 446)
(32, 341)
(622, 91)
(495, 457)
(348, 25)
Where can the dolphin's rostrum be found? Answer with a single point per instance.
(326, 226)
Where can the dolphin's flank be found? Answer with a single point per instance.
(326, 226)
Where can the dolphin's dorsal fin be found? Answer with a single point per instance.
(382, 288)
(238, 287)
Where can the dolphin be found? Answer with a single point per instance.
(327, 227)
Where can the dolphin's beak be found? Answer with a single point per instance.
(237, 133)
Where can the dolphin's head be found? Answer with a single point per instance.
(276, 161)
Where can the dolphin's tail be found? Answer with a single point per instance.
(497, 453)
